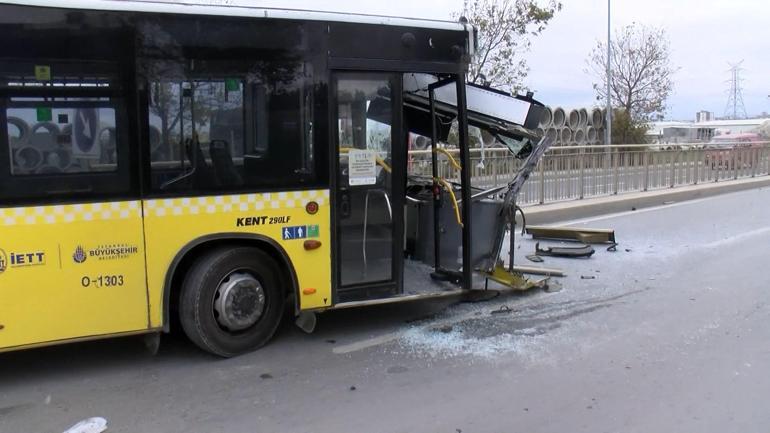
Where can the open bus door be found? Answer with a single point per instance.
(370, 169)
(371, 179)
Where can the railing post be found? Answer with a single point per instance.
(673, 169)
(581, 181)
(646, 165)
(541, 191)
(696, 161)
(735, 163)
(496, 168)
(615, 164)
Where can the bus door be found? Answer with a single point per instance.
(370, 185)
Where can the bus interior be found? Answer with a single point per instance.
(412, 234)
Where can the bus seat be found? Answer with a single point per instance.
(203, 176)
(224, 167)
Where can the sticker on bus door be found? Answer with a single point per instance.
(298, 232)
(362, 167)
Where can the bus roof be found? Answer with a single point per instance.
(239, 10)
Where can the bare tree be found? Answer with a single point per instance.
(505, 28)
(641, 77)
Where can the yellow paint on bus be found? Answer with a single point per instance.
(85, 270)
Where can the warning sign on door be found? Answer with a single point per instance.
(362, 167)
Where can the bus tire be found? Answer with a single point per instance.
(232, 300)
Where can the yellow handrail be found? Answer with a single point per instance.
(451, 158)
(447, 186)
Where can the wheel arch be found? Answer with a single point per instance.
(195, 248)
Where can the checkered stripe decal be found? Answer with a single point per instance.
(233, 203)
(59, 214)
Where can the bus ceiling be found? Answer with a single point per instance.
(512, 120)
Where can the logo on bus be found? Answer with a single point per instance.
(17, 260)
(104, 252)
(3, 261)
(79, 256)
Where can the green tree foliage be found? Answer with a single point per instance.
(626, 130)
(505, 28)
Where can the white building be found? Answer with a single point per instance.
(704, 116)
(666, 132)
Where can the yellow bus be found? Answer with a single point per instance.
(214, 166)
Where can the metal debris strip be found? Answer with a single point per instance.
(536, 270)
(578, 234)
(534, 258)
(584, 251)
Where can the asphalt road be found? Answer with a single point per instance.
(668, 334)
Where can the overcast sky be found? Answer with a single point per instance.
(705, 35)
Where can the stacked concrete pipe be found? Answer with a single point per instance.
(559, 117)
(579, 126)
(583, 118)
(591, 135)
(597, 118)
(579, 136)
(573, 119)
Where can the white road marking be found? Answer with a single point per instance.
(369, 342)
(737, 238)
(632, 212)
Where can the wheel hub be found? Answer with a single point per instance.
(239, 301)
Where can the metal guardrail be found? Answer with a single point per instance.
(576, 172)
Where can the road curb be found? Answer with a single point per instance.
(574, 209)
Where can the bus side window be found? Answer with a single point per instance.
(64, 138)
(196, 134)
(72, 136)
(235, 130)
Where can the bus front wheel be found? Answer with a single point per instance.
(232, 300)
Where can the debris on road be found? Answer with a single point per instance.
(549, 272)
(570, 252)
(90, 425)
(588, 277)
(534, 258)
(504, 309)
(553, 287)
(578, 234)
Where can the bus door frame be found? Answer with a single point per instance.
(342, 65)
